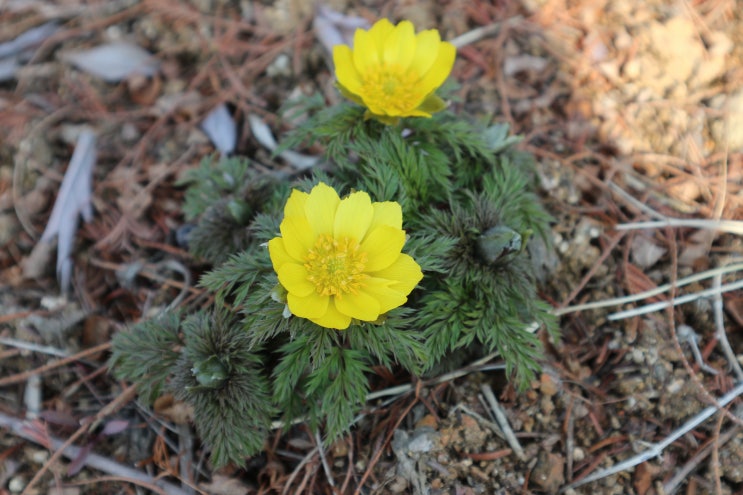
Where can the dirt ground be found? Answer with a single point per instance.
(634, 110)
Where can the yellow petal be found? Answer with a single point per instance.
(382, 246)
(426, 50)
(298, 237)
(311, 306)
(387, 213)
(361, 306)
(293, 276)
(333, 319)
(440, 69)
(387, 297)
(365, 55)
(417, 113)
(381, 117)
(399, 46)
(345, 71)
(374, 110)
(405, 273)
(278, 254)
(295, 204)
(353, 216)
(353, 97)
(379, 32)
(320, 209)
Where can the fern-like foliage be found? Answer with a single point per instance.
(470, 212)
(221, 376)
(321, 380)
(227, 195)
(212, 181)
(147, 353)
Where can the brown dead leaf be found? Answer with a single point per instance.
(225, 485)
(144, 90)
(428, 420)
(697, 248)
(637, 282)
(96, 331)
(548, 473)
(687, 191)
(645, 252)
(176, 411)
(643, 477)
(38, 262)
(734, 307)
(339, 448)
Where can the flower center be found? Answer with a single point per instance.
(336, 266)
(388, 87)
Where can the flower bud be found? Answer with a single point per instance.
(498, 242)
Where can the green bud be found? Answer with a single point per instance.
(498, 242)
(210, 373)
(240, 210)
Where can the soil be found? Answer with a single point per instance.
(634, 111)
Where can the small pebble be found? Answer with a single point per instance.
(16, 484)
(40, 456)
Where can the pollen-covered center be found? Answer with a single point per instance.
(336, 266)
(391, 89)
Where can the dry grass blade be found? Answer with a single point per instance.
(19, 49)
(114, 62)
(732, 268)
(729, 226)
(657, 449)
(651, 308)
(73, 200)
(125, 473)
(221, 129)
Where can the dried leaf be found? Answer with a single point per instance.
(19, 49)
(79, 462)
(637, 281)
(549, 472)
(697, 247)
(221, 129)
(263, 135)
(333, 28)
(114, 62)
(8, 68)
(176, 411)
(645, 253)
(523, 63)
(60, 418)
(225, 485)
(115, 426)
(28, 39)
(73, 200)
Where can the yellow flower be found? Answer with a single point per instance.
(393, 72)
(340, 259)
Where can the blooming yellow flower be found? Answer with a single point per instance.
(392, 71)
(340, 259)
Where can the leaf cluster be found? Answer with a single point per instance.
(205, 360)
(226, 195)
(457, 182)
(222, 377)
(147, 354)
(469, 209)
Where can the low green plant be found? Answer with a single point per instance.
(283, 339)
